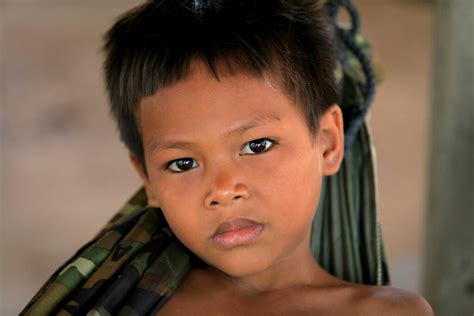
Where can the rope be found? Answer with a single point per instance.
(353, 116)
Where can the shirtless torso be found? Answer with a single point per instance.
(204, 293)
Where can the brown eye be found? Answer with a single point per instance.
(183, 164)
(257, 146)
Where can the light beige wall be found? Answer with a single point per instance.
(65, 173)
(401, 33)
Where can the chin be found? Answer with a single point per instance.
(239, 265)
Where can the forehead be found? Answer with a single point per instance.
(202, 104)
(200, 82)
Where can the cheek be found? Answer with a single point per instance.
(178, 203)
(183, 225)
(293, 188)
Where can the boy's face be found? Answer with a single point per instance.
(234, 168)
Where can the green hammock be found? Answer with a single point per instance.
(134, 264)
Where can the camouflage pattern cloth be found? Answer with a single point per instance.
(131, 268)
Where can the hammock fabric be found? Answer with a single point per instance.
(134, 264)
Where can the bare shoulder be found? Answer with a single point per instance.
(186, 299)
(388, 300)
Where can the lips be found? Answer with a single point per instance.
(237, 232)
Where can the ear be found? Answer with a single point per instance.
(331, 140)
(152, 200)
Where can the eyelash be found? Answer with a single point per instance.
(258, 140)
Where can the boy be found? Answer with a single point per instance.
(228, 109)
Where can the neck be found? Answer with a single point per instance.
(298, 269)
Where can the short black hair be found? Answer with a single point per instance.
(153, 45)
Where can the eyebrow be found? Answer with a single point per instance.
(239, 130)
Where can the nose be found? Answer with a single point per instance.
(225, 188)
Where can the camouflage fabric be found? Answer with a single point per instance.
(131, 268)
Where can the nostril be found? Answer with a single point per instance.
(235, 198)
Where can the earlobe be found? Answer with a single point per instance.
(152, 200)
(332, 140)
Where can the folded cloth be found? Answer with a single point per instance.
(130, 268)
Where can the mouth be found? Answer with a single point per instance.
(237, 232)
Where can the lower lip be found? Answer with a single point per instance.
(239, 237)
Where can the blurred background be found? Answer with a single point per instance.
(64, 172)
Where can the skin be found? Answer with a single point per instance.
(277, 187)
